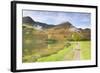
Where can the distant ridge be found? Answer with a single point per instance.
(65, 29)
(28, 20)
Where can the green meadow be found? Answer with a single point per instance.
(68, 53)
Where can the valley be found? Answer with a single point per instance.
(46, 42)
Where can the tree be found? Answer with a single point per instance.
(76, 36)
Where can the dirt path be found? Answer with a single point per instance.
(77, 52)
(74, 54)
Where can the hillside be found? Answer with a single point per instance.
(60, 31)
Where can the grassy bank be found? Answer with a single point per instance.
(68, 53)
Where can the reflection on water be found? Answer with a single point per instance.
(44, 48)
(40, 49)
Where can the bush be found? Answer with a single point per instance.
(67, 44)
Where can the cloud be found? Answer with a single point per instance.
(54, 17)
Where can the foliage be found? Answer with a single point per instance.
(76, 36)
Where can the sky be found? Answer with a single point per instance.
(79, 20)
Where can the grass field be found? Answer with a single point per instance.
(68, 53)
(64, 54)
(85, 50)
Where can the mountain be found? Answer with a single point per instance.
(59, 31)
(29, 21)
(65, 24)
